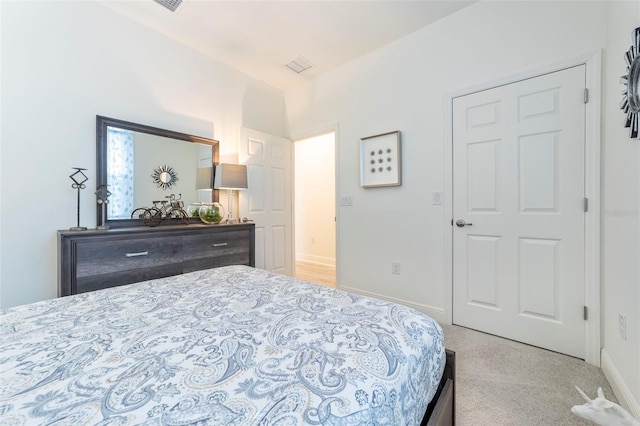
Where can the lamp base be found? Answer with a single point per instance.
(231, 218)
(78, 228)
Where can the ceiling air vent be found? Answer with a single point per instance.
(172, 5)
(299, 64)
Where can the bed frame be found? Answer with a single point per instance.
(441, 409)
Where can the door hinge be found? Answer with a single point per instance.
(586, 95)
(586, 204)
(585, 313)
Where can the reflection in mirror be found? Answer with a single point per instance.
(165, 177)
(142, 164)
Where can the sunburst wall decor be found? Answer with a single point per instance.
(164, 177)
(631, 96)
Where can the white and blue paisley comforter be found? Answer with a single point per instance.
(227, 346)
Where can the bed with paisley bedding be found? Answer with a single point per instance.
(226, 346)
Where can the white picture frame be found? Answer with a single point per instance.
(380, 160)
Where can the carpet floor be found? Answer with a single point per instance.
(502, 382)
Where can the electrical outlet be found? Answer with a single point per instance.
(622, 326)
(395, 268)
(346, 200)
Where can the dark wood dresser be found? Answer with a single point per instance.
(97, 259)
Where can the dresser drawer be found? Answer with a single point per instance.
(231, 247)
(119, 255)
(98, 282)
(97, 259)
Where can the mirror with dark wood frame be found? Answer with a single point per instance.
(131, 156)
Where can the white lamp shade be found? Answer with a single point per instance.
(231, 176)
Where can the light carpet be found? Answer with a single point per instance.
(502, 382)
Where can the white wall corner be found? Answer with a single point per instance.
(620, 389)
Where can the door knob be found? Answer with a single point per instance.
(460, 223)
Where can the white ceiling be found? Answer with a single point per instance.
(260, 37)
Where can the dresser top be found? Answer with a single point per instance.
(194, 227)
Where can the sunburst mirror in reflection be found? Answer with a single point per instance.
(164, 177)
(631, 96)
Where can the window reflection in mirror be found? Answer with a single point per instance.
(120, 173)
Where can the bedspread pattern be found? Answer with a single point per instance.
(228, 346)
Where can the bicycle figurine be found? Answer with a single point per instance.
(152, 216)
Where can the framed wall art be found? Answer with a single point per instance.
(380, 160)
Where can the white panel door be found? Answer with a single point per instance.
(518, 184)
(267, 201)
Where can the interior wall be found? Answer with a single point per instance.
(403, 87)
(314, 195)
(62, 64)
(620, 217)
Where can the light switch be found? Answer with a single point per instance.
(436, 198)
(346, 200)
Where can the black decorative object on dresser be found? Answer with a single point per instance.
(93, 260)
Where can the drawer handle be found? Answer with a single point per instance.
(219, 244)
(140, 253)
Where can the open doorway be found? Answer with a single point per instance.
(314, 201)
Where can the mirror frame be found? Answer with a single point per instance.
(102, 123)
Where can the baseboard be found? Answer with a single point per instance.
(437, 314)
(620, 389)
(317, 260)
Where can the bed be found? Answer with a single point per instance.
(227, 346)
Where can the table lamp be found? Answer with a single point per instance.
(230, 177)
